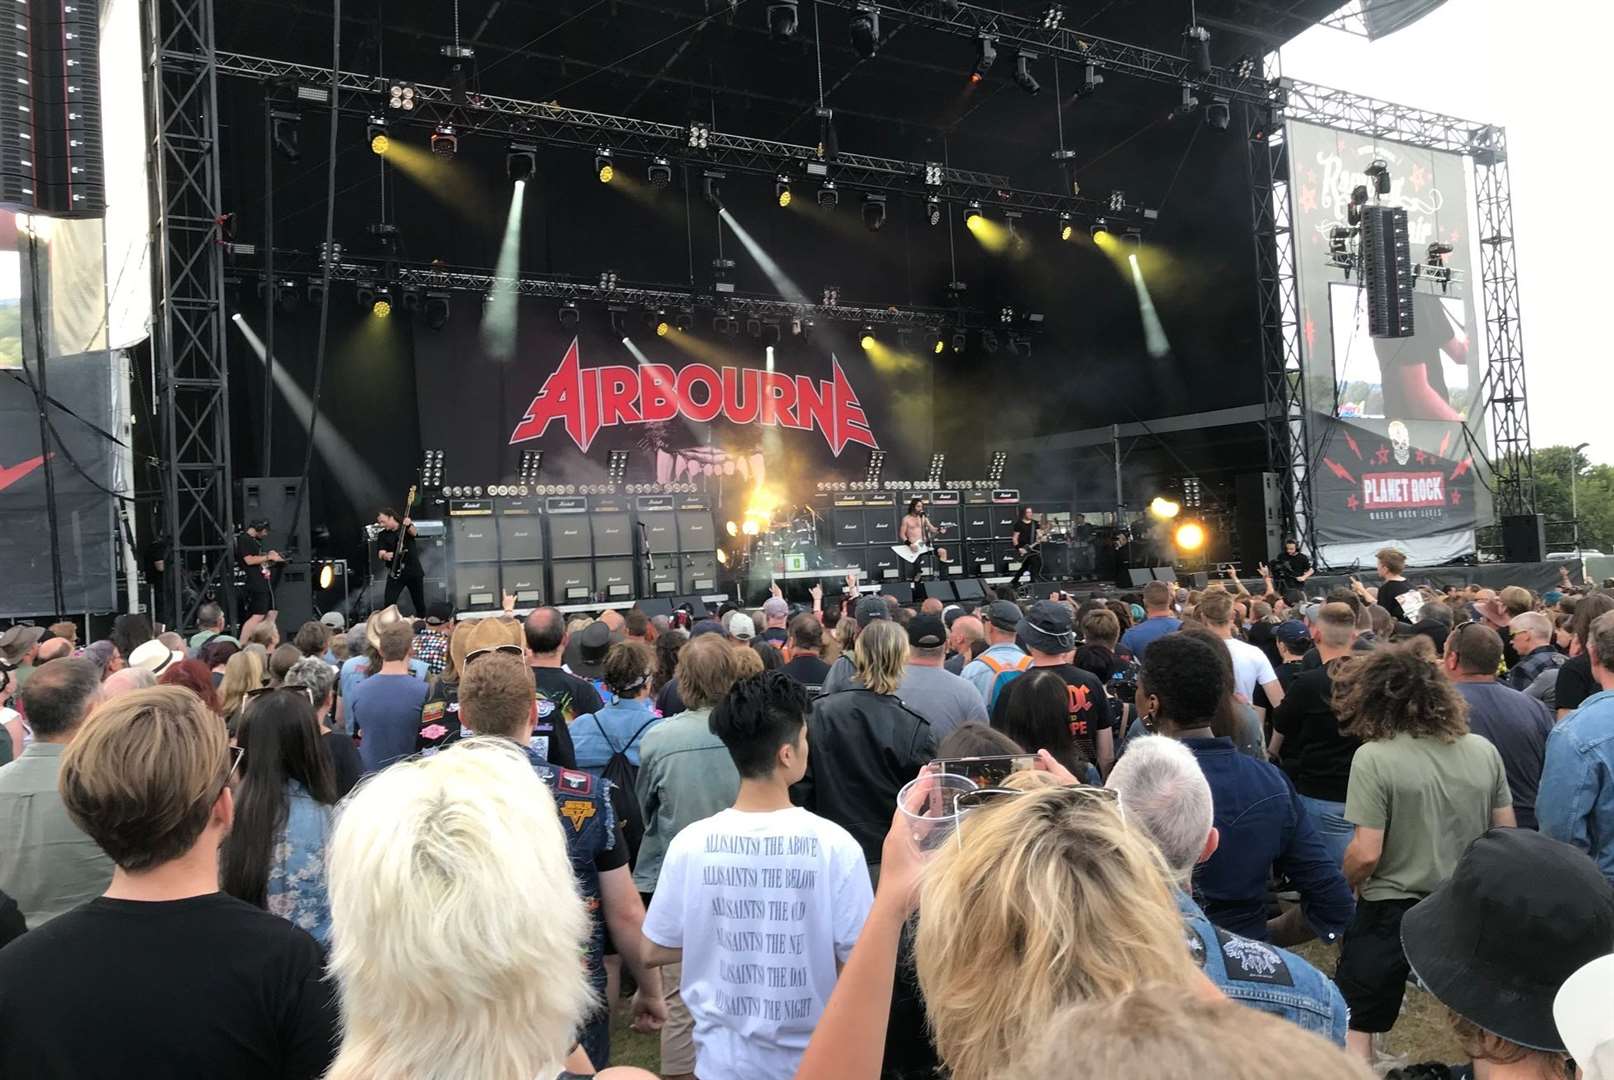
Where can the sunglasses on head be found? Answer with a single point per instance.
(488, 650)
(966, 802)
(307, 692)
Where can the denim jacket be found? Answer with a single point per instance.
(1264, 976)
(621, 725)
(296, 888)
(1575, 802)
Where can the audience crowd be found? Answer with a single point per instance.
(842, 839)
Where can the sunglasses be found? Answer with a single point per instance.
(965, 803)
(306, 692)
(488, 650)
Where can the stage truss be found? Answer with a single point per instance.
(1503, 386)
(192, 382)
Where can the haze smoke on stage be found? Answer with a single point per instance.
(994, 236)
(1154, 334)
(358, 481)
(444, 177)
(786, 287)
(499, 317)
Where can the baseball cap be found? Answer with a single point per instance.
(951, 614)
(1292, 632)
(1004, 614)
(439, 612)
(774, 607)
(1585, 1022)
(1520, 914)
(927, 632)
(1048, 627)
(742, 627)
(870, 608)
(334, 619)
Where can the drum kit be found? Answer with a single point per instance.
(788, 540)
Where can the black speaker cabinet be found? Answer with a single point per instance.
(475, 539)
(275, 498)
(848, 526)
(524, 581)
(570, 538)
(1524, 537)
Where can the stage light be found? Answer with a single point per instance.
(722, 556)
(732, 528)
(699, 133)
(608, 280)
(874, 212)
(1022, 73)
(972, 211)
(933, 210)
(1379, 173)
(865, 31)
(866, 338)
(712, 187)
(663, 328)
(381, 307)
(521, 162)
(659, 172)
(1066, 228)
(941, 345)
(1052, 16)
(1190, 536)
(828, 196)
(960, 339)
(438, 307)
(327, 575)
(832, 296)
(603, 167)
(684, 322)
(1244, 67)
(286, 128)
(1217, 114)
(1091, 81)
(375, 133)
(781, 190)
(401, 96)
(568, 314)
(1163, 508)
(1099, 230)
(1197, 41)
(986, 54)
(989, 342)
(753, 327)
(751, 527)
(1186, 104)
(782, 20)
(444, 142)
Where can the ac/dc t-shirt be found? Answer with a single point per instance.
(763, 905)
(1089, 708)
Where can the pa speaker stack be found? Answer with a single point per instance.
(474, 550)
(1387, 271)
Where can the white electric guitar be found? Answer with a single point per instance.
(912, 554)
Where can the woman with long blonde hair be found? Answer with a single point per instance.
(243, 673)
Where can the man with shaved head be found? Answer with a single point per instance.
(560, 693)
(966, 637)
(1531, 636)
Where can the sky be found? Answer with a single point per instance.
(1545, 72)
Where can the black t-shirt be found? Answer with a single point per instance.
(1390, 597)
(201, 988)
(1090, 709)
(257, 577)
(807, 669)
(669, 702)
(345, 761)
(1025, 533)
(1286, 568)
(1316, 754)
(1575, 682)
(440, 723)
(388, 541)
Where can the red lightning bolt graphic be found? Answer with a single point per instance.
(11, 475)
(1462, 467)
(1350, 442)
(1445, 444)
(1339, 470)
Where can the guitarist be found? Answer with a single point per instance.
(402, 560)
(1028, 532)
(916, 531)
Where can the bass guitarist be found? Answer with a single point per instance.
(399, 556)
(1028, 534)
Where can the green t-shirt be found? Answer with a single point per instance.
(1432, 799)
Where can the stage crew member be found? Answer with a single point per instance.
(257, 562)
(402, 562)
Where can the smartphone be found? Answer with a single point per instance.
(987, 771)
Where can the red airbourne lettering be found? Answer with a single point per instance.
(585, 400)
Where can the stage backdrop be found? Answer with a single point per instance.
(1397, 427)
(685, 406)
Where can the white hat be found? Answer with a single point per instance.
(334, 619)
(1584, 1013)
(742, 627)
(154, 656)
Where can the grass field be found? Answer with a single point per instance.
(1421, 1034)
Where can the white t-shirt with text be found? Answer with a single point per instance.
(764, 907)
(1251, 668)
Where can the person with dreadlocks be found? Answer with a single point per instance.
(762, 902)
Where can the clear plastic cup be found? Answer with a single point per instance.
(926, 804)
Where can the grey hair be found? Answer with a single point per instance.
(1163, 791)
(1533, 623)
(313, 673)
(126, 679)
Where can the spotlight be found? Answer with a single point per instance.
(832, 296)
(828, 196)
(401, 95)
(753, 327)
(1187, 104)
(1091, 81)
(972, 211)
(1164, 508)
(782, 20)
(568, 314)
(603, 167)
(732, 528)
(940, 346)
(663, 328)
(1437, 253)
(286, 129)
(1066, 229)
(1098, 228)
(1022, 73)
(1379, 173)
(865, 31)
(722, 556)
(712, 187)
(985, 56)
(698, 135)
(781, 190)
(438, 309)
(608, 280)
(521, 162)
(935, 171)
(327, 571)
(375, 133)
(874, 212)
(866, 339)
(684, 322)
(1244, 67)
(444, 142)
(1217, 114)
(1190, 536)
(989, 342)
(1196, 39)
(1052, 17)
(1117, 201)
(750, 527)
(660, 172)
(960, 339)
(933, 210)
(381, 306)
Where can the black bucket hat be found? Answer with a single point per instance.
(1520, 914)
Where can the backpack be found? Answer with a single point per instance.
(1005, 674)
(624, 777)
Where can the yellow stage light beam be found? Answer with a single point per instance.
(499, 317)
(443, 177)
(1162, 507)
(890, 360)
(1190, 536)
(992, 235)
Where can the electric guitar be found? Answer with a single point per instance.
(909, 554)
(396, 569)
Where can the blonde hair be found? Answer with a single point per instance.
(1156, 1033)
(747, 662)
(143, 773)
(242, 672)
(457, 929)
(1044, 900)
(705, 671)
(881, 655)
